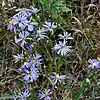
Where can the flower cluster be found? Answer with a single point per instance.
(30, 68)
(43, 48)
(30, 33)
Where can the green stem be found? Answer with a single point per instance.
(90, 42)
(50, 58)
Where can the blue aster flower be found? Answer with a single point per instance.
(24, 12)
(66, 36)
(54, 78)
(36, 59)
(34, 10)
(31, 74)
(41, 34)
(24, 66)
(18, 57)
(93, 64)
(45, 95)
(29, 47)
(61, 48)
(27, 12)
(21, 21)
(31, 26)
(49, 26)
(11, 27)
(22, 95)
(23, 36)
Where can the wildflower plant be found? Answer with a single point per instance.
(22, 94)
(42, 47)
(34, 37)
(49, 52)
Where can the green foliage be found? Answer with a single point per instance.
(54, 6)
(60, 7)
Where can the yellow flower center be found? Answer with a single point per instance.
(33, 62)
(46, 95)
(39, 31)
(94, 64)
(30, 74)
(57, 76)
(56, 45)
(25, 63)
(11, 22)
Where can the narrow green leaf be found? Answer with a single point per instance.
(7, 44)
(79, 94)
